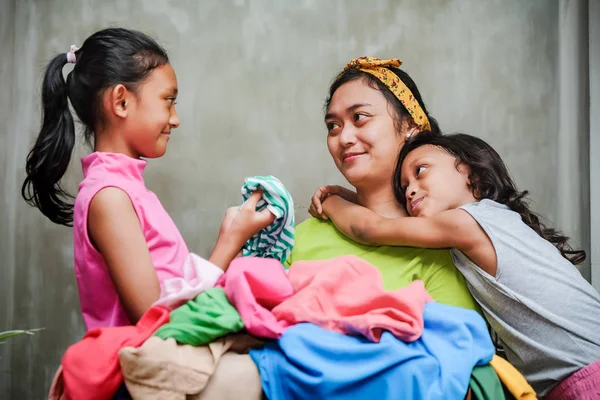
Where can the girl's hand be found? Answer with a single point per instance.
(246, 221)
(230, 214)
(239, 225)
(316, 206)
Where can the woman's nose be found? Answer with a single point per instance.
(348, 136)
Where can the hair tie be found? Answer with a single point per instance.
(378, 68)
(71, 58)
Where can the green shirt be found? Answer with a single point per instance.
(320, 240)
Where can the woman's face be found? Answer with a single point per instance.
(362, 136)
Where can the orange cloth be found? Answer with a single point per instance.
(512, 379)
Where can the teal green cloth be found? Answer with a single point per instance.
(276, 240)
(202, 320)
(485, 384)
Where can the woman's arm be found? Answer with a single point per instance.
(115, 231)
(452, 228)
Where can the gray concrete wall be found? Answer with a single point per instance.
(594, 73)
(572, 154)
(253, 76)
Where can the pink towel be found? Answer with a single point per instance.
(254, 286)
(346, 295)
(343, 294)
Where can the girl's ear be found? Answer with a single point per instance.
(474, 187)
(118, 99)
(471, 179)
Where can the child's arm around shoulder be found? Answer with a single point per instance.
(452, 228)
(115, 231)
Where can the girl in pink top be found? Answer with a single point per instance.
(123, 90)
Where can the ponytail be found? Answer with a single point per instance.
(48, 159)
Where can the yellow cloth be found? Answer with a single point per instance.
(512, 379)
(378, 68)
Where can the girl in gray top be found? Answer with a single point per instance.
(522, 273)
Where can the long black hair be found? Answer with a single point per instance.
(402, 114)
(107, 58)
(490, 179)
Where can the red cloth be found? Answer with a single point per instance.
(90, 367)
(343, 294)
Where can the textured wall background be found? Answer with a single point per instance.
(253, 75)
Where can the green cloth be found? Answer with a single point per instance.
(202, 320)
(399, 266)
(485, 384)
(277, 239)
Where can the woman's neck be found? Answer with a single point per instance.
(381, 201)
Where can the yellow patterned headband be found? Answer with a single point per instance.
(377, 68)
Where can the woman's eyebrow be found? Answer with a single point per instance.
(353, 107)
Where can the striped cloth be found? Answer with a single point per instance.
(276, 240)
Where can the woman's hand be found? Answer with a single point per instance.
(239, 225)
(316, 206)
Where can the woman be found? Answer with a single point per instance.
(367, 124)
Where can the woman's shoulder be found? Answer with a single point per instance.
(313, 230)
(313, 224)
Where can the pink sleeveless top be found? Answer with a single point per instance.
(100, 303)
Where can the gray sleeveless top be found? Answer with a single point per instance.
(545, 314)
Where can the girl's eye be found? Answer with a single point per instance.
(172, 100)
(420, 169)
